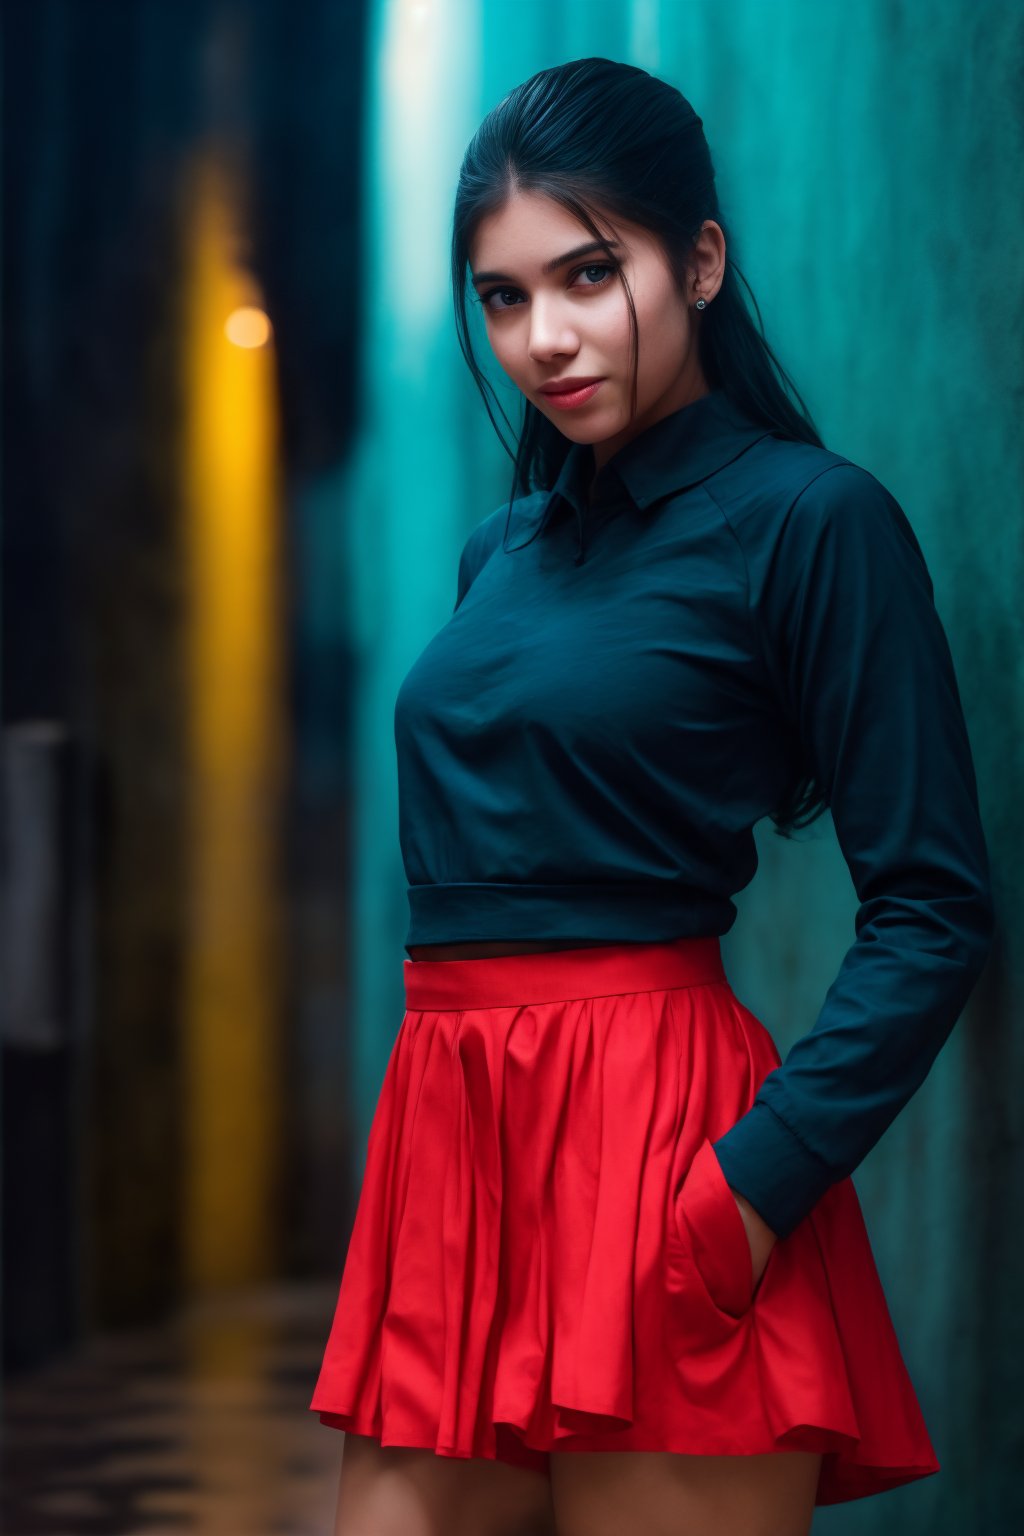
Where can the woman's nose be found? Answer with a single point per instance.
(550, 335)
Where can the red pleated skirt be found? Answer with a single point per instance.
(546, 1255)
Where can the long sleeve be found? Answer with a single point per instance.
(864, 673)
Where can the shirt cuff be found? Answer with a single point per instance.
(767, 1163)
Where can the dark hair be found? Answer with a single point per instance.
(602, 137)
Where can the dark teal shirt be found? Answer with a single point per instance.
(631, 678)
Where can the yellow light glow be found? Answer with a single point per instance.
(248, 326)
(232, 494)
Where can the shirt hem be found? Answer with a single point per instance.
(613, 912)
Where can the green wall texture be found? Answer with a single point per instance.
(869, 160)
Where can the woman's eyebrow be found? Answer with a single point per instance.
(549, 266)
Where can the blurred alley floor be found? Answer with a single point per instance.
(201, 1425)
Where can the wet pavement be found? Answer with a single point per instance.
(201, 1426)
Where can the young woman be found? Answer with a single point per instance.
(599, 1214)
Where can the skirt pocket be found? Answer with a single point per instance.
(707, 1235)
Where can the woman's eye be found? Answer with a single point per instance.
(594, 266)
(487, 297)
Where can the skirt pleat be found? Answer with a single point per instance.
(546, 1254)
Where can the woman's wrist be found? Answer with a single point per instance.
(759, 1234)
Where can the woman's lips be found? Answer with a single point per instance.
(568, 399)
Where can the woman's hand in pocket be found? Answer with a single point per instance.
(759, 1234)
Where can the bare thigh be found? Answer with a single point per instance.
(662, 1494)
(399, 1491)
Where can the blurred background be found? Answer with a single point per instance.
(240, 454)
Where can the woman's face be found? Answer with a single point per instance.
(572, 321)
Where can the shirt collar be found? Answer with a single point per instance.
(676, 452)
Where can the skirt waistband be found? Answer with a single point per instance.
(560, 975)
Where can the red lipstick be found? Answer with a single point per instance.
(568, 393)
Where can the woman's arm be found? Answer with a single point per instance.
(864, 673)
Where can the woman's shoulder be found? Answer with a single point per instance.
(782, 469)
(489, 532)
(484, 536)
(482, 540)
(795, 492)
(813, 519)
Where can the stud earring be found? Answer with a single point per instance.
(701, 304)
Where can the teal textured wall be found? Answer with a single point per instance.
(869, 161)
